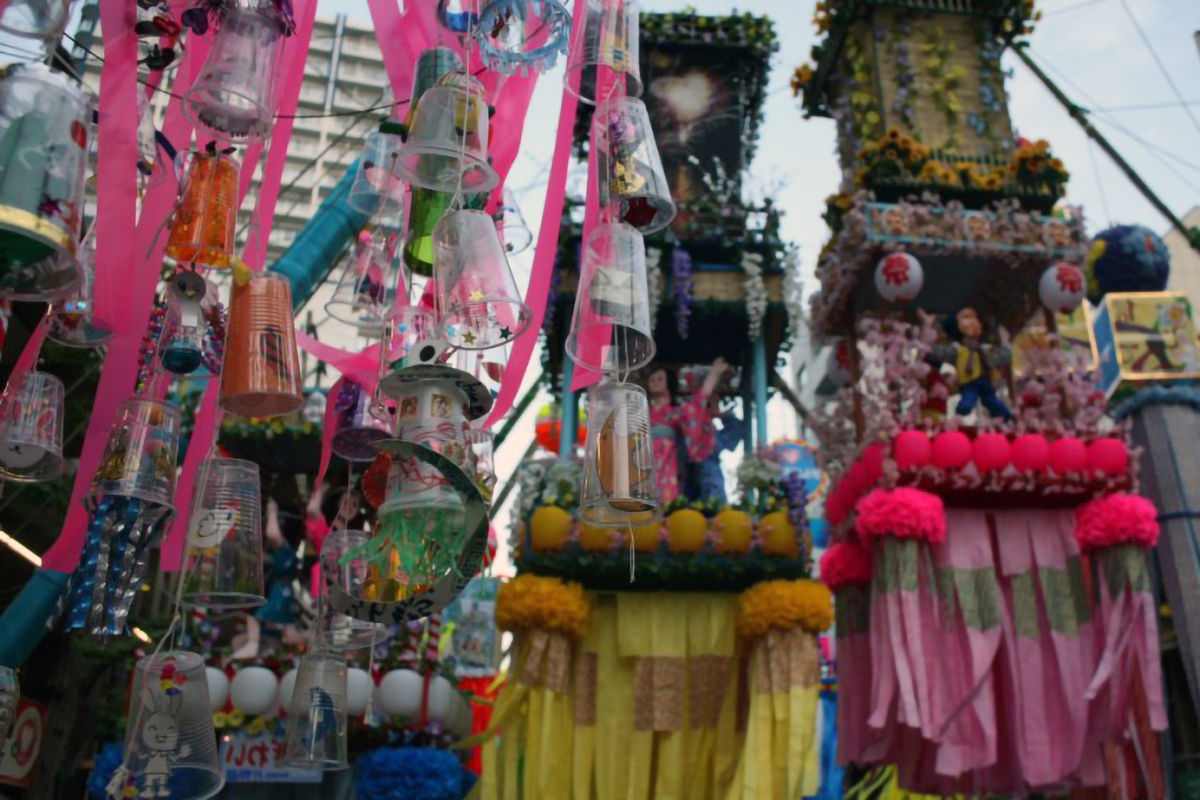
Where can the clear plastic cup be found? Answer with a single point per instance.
(356, 429)
(31, 429)
(72, 319)
(618, 472)
(316, 717)
(260, 376)
(632, 183)
(447, 145)
(343, 564)
(170, 746)
(203, 228)
(609, 38)
(140, 457)
(514, 230)
(368, 285)
(225, 538)
(35, 19)
(610, 329)
(376, 188)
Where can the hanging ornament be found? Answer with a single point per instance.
(356, 430)
(202, 224)
(610, 329)
(618, 470)
(405, 327)
(630, 173)
(181, 348)
(170, 746)
(479, 306)
(426, 209)
(233, 98)
(35, 19)
(513, 228)
(44, 127)
(72, 319)
(376, 188)
(481, 450)
(224, 542)
(31, 429)
(261, 376)
(898, 278)
(369, 284)
(341, 565)
(447, 145)
(129, 505)
(1062, 288)
(316, 716)
(522, 36)
(610, 35)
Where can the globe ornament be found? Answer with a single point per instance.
(1126, 258)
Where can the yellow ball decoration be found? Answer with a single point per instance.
(685, 531)
(734, 530)
(778, 535)
(593, 538)
(549, 528)
(645, 535)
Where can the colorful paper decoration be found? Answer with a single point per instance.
(522, 36)
(447, 145)
(225, 555)
(261, 374)
(31, 429)
(618, 472)
(632, 184)
(44, 131)
(316, 721)
(202, 225)
(610, 39)
(899, 278)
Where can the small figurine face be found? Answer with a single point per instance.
(657, 382)
(895, 221)
(161, 732)
(978, 228)
(968, 323)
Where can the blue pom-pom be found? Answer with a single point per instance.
(411, 773)
(1127, 258)
(103, 767)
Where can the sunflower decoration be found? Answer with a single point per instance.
(1034, 165)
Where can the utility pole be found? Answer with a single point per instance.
(1192, 235)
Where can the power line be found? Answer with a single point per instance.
(1145, 107)
(1084, 4)
(1099, 182)
(1161, 68)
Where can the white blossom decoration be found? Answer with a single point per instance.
(756, 294)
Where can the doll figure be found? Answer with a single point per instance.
(689, 419)
(974, 363)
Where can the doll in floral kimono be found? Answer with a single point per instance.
(670, 418)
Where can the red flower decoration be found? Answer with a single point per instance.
(79, 134)
(374, 480)
(895, 269)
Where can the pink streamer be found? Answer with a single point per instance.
(207, 423)
(362, 367)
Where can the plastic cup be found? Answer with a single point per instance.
(610, 329)
(609, 38)
(340, 631)
(431, 65)
(368, 285)
(316, 721)
(202, 231)
(406, 326)
(376, 188)
(35, 19)
(355, 428)
(31, 429)
(225, 540)
(514, 230)
(140, 456)
(632, 183)
(170, 746)
(426, 208)
(261, 376)
(72, 320)
(447, 145)
(619, 464)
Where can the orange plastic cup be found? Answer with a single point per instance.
(261, 375)
(202, 231)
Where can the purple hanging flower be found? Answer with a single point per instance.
(682, 286)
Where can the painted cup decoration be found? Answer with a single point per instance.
(632, 183)
(202, 228)
(31, 429)
(261, 374)
(225, 539)
(618, 473)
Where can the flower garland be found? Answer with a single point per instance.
(653, 286)
(793, 293)
(682, 286)
(784, 605)
(532, 601)
(756, 294)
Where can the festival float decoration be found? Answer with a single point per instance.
(130, 502)
(447, 145)
(45, 124)
(956, 521)
(31, 428)
(260, 376)
(224, 545)
(202, 223)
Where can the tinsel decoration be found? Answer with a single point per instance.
(121, 531)
(682, 287)
(411, 773)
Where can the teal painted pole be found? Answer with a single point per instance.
(566, 428)
(760, 389)
(24, 622)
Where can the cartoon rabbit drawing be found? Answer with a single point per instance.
(160, 743)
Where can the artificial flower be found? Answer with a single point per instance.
(533, 602)
(784, 605)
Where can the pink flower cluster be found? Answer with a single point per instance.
(1116, 519)
(846, 564)
(905, 512)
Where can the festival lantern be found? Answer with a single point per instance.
(233, 98)
(35, 19)
(479, 306)
(72, 319)
(1062, 288)
(632, 183)
(10, 693)
(898, 278)
(44, 127)
(447, 145)
(513, 228)
(224, 544)
(400, 693)
(368, 284)
(609, 39)
(341, 564)
(376, 188)
(202, 224)
(355, 427)
(170, 745)
(610, 329)
(31, 429)
(618, 472)
(261, 373)
(522, 37)
(316, 721)
(129, 505)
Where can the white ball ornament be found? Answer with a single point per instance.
(218, 687)
(441, 699)
(899, 278)
(358, 690)
(253, 690)
(1062, 288)
(400, 690)
(287, 686)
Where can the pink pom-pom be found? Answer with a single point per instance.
(990, 451)
(872, 460)
(846, 564)
(1030, 451)
(1068, 454)
(912, 449)
(907, 513)
(857, 482)
(835, 507)
(951, 450)
(1116, 519)
(1108, 455)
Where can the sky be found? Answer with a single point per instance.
(1091, 47)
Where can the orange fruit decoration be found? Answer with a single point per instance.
(685, 531)
(778, 535)
(593, 538)
(549, 528)
(734, 530)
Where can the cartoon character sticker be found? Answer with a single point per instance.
(209, 528)
(409, 408)
(441, 406)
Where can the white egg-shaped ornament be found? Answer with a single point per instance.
(899, 278)
(838, 365)
(441, 700)
(287, 685)
(253, 690)
(218, 687)
(1062, 288)
(400, 690)
(358, 691)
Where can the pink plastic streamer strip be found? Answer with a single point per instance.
(207, 423)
